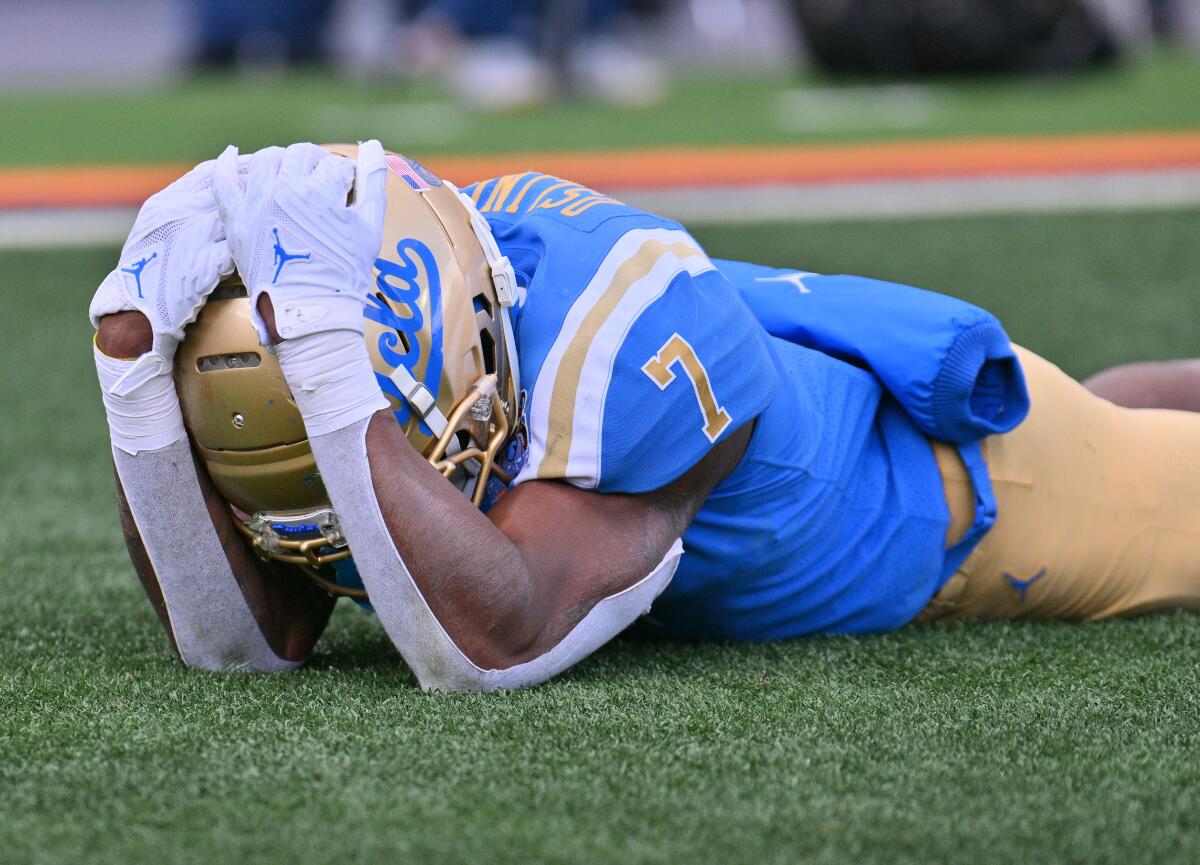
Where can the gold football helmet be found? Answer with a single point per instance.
(438, 332)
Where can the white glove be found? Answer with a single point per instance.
(174, 257)
(294, 236)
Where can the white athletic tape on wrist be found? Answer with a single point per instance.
(331, 379)
(208, 615)
(417, 634)
(144, 416)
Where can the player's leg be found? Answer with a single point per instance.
(1098, 510)
(1171, 384)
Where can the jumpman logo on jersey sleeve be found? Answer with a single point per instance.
(796, 279)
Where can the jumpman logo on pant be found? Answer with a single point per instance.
(282, 256)
(1023, 586)
(136, 269)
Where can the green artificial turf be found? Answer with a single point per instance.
(190, 120)
(1000, 743)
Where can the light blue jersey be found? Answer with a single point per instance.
(638, 354)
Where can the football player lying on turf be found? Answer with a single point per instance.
(744, 452)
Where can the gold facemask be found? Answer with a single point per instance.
(438, 334)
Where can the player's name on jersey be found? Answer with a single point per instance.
(511, 193)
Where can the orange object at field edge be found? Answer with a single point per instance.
(116, 185)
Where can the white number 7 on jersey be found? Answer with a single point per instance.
(678, 350)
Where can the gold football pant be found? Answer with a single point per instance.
(1098, 510)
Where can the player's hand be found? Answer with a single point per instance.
(174, 257)
(295, 236)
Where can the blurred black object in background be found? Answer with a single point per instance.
(274, 32)
(512, 54)
(914, 37)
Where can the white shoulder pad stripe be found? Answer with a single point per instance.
(566, 413)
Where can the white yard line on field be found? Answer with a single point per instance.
(906, 199)
(67, 227)
(742, 205)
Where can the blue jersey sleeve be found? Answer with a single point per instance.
(654, 357)
(949, 364)
(637, 355)
(692, 369)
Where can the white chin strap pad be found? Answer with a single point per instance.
(504, 279)
(426, 647)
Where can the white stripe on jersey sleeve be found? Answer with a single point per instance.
(672, 252)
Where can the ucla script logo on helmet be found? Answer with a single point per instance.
(400, 281)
